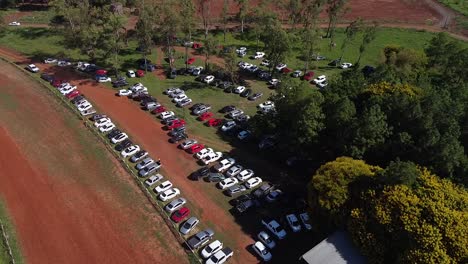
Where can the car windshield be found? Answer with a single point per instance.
(264, 252)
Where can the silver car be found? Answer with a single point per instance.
(144, 163)
(188, 225)
(174, 205)
(153, 167)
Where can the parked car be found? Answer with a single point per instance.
(144, 163)
(275, 228)
(32, 68)
(305, 220)
(188, 143)
(180, 214)
(175, 204)
(293, 222)
(105, 128)
(73, 94)
(200, 239)
(178, 137)
(152, 180)
(235, 113)
(243, 134)
(236, 189)
(296, 74)
(214, 122)
(189, 225)
(123, 145)
(308, 76)
(346, 65)
(215, 177)
(258, 55)
(265, 62)
(205, 116)
(88, 112)
(221, 256)
(239, 89)
(246, 205)
(124, 92)
(262, 251)
(139, 155)
(119, 138)
(208, 79)
(234, 170)
(280, 66)
(202, 172)
(224, 164)
(184, 102)
(266, 239)
(255, 96)
(197, 71)
(167, 114)
(103, 78)
(228, 182)
(263, 190)
(204, 153)
(201, 109)
(130, 151)
(245, 174)
(150, 169)
(273, 195)
(228, 125)
(252, 182)
(227, 109)
(212, 248)
(212, 157)
(113, 133)
(166, 185)
(246, 93)
(47, 77)
(320, 79)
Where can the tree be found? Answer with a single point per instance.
(329, 188)
(335, 9)
(294, 9)
(224, 15)
(243, 11)
(311, 33)
(187, 13)
(145, 30)
(113, 40)
(350, 33)
(277, 43)
(368, 36)
(209, 49)
(169, 26)
(230, 65)
(204, 8)
(400, 173)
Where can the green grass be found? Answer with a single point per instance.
(34, 17)
(10, 231)
(457, 5)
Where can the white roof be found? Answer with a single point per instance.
(335, 249)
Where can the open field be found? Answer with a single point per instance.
(69, 200)
(457, 5)
(10, 232)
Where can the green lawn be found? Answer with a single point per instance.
(10, 231)
(33, 17)
(457, 5)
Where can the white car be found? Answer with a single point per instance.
(234, 170)
(265, 63)
(305, 220)
(102, 79)
(176, 93)
(346, 65)
(209, 79)
(252, 182)
(322, 84)
(152, 180)
(67, 90)
(275, 228)
(259, 55)
(63, 63)
(119, 138)
(226, 183)
(50, 61)
(266, 239)
(229, 125)
(14, 23)
(85, 107)
(245, 174)
(267, 104)
(239, 89)
(293, 222)
(125, 92)
(297, 74)
(320, 79)
(212, 248)
(107, 127)
(236, 113)
(262, 251)
(204, 152)
(197, 71)
(32, 68)
(169, 194)
(212, 157)
(102, 121)
(179, 98)
(273, 82)
(167, 114)
(138, 87)
(184, 102)
(224, 164)
(131, 74)
(130, 151)
(188, 143)
(220, 257)
(174, 205)
(281, 66)
(163, 187)
(241, 50)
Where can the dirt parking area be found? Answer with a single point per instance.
(69, 200)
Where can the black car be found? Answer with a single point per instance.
(149, 67)
(113, 133)
(217, 82)
(91, 68)
(176, 131)
(172, 73)
(200, 77)
(202, 172)
(255, 96)
(215, 177)
(139, 155)
(96, 117)
(169, 120)
(121, 81)
(182, 71)
(146, 99)
(241, 199)
(246, 93)
(178, 137)
(246, 205)
(77, 99)
(123, 145)
(47, 77)
(227, 109)
(263, 190)
(195, 106)
(225, 85)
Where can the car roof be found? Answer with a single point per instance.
(260, 245)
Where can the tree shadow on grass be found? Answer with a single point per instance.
(34, 33)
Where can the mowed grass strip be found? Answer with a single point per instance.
(5, 258)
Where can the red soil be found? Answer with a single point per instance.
(64, 208)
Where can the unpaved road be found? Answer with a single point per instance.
(69, 200)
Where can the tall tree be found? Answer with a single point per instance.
(209, 49)
(311, 33)
(225, 17)
(204, 8)
(243, 11)
(113, 40)
(350, 33)
(168, 28)
(277, 42)
(367, 38)
(145, 29)
(335, 9)
(187, 17)
(294, 10)
(230, 65)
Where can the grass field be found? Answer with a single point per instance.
(458, 5)
(10, 231)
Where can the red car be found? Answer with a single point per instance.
(205, 116)
(214, 122)
(73, 94)
(140, 73)
(56, 83)
(180, 214)
(286, 70)
(308, 76)
(159, 109)
(195, 148)
(176, 124)
(190, 60)
(196, 45)
(101, 72)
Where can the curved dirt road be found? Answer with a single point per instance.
(69, 200)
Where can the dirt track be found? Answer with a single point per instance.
(70, 201)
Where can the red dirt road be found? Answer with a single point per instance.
(69, 200)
